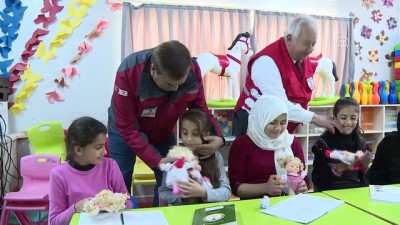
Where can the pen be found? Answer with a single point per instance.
(121, 216)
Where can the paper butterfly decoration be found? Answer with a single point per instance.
(69, 72)
(54, 96)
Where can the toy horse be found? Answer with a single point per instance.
(326, 68)
(227, 65)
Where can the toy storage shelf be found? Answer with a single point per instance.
(375, 120)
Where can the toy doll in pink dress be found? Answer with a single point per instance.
(295, 173)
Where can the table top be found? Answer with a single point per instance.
(359, 197)
(248, 212)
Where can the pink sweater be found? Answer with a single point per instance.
(68, 186)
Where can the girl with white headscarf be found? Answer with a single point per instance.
(254, 168)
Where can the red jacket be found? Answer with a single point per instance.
(142, 113)
(296, 86)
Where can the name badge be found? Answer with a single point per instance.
(310, 83)
(151, 112)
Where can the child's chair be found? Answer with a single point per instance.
(47, 138)
(142, 174)
(34, 193)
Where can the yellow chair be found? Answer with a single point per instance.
(142, 174)
(47, 138)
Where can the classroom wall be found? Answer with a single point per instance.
(89, 93)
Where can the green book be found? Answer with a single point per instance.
(217, 215)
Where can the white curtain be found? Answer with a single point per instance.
(201, 29)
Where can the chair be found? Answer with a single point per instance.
(34, 193)
(142, 174)
(47, 138)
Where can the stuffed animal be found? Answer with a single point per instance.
(295, 173)
(107, 201)
(186, 166)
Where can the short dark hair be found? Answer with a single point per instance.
(173, 58)
(81, 132)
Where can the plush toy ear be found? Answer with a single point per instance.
(179, 163)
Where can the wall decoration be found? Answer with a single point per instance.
(83, 48)
(357, 50)
(114, 6)
(61, 81)
(53, 96)
(373, 56)
(69, 72)
(376, 16)
(368, 3)
(366, 32)
(382, 38)
(390, 59)
(392, 23)
(388, 3)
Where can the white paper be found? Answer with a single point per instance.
(303, 208)
(384, 193)
(155, 217)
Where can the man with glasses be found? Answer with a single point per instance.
(153, 88)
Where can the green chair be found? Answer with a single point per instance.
(48, 138)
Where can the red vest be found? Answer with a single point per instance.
(296, 86)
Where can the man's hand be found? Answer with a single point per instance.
(213, 144)
(326, 122)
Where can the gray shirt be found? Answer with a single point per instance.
(216, 194)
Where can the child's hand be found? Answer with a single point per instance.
(274, 185)
(192, 189)
(79, 205)
(302, 188)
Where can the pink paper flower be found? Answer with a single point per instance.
(376, 16)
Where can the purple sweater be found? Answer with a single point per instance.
(68, 186)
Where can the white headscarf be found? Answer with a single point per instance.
(266, 109)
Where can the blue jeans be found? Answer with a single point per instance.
(126, 158)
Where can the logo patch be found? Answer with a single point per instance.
(120, 91)
(310, 83)
(151, 112)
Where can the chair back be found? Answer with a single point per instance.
(48, 138)
(38, 167)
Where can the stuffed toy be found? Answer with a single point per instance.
(180, 170)
(106, 201)
(295, 173)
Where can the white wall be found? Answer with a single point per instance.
(89, 93)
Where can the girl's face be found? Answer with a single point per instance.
(92, 153)
(276, 127)
(190, 134)
(292, 167)
(348, 119)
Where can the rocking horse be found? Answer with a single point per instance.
(227, 65)
(326, 69)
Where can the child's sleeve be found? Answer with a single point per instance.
(320, 161)
(59, 212)
(118, 184)
(236, 165)
(223, 192)
(165, 193)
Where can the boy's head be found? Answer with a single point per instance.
(171, 62)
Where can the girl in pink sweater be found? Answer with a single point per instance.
(85, 173)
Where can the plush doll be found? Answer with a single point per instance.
(295, 173)
(178, 170)
(107, 201)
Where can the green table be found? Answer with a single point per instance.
(248, 212)
(359, 197)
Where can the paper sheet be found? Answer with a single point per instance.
(303, 208)
(155, 217)
(384, 193)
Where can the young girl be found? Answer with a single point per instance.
(341, 159)
(254, 159)
(85, 173)
(194, 125)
